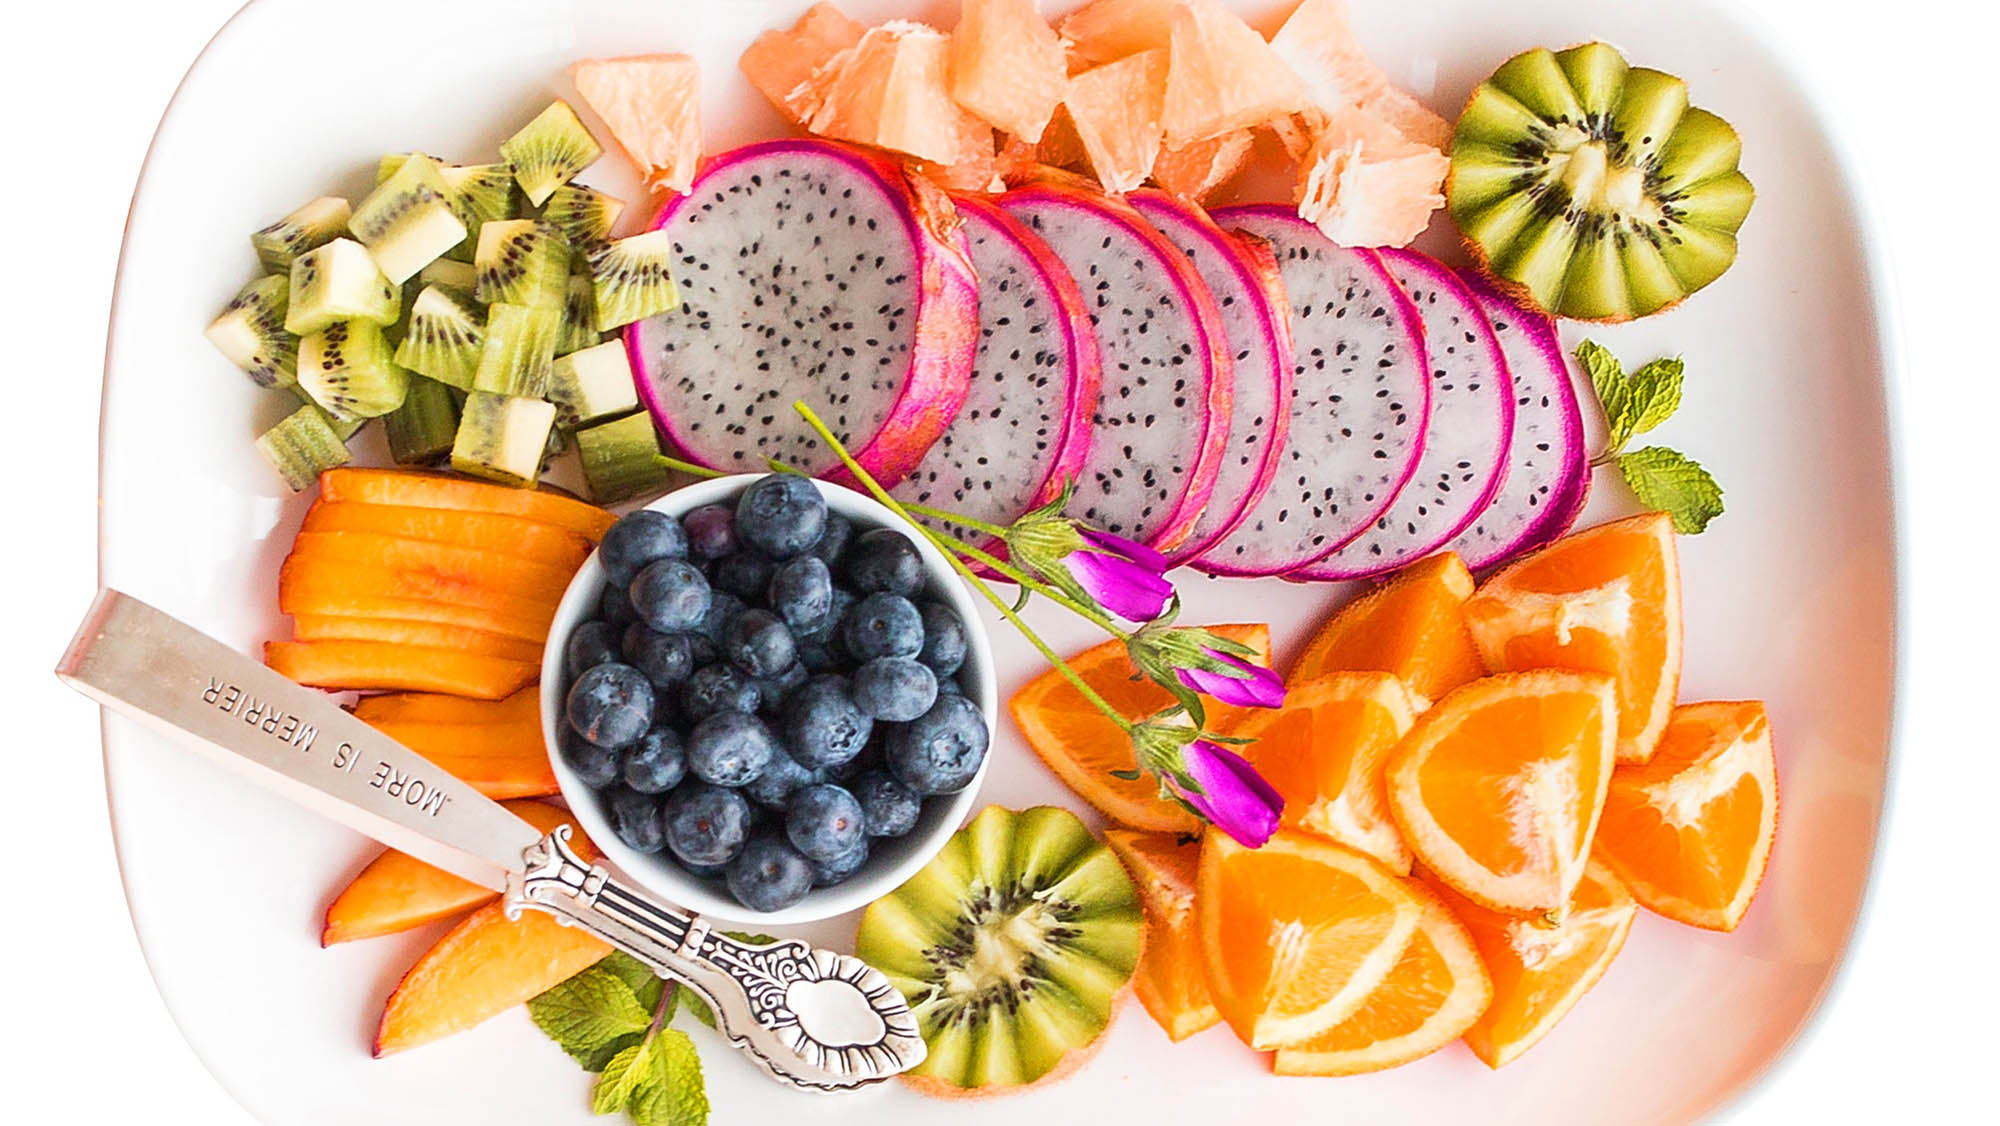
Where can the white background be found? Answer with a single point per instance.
(1909, 1034)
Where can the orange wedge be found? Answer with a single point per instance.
(1499, 786)
(1605, 600)
(1169, 982)
(1689, 831)
(1296, 934)
(523, 707)
(1435, 993)
(1323, 752)
(1412, 626)
(1541, 969)
(1083, 747)
(410, 489)
(486, 965)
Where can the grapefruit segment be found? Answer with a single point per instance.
(1007, 66)
(1222, 76)
(779, 62)
(1170, 982)
(1413, 627)
(888, 90)
(652, 105)
(1201, 169)
(1105, 31)
(1365, 184)
(1115, 110)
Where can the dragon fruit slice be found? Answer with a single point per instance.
(1025, 425)
(1466, 442)
(1242, 274)
(1360, 400)
(1163, 412)
(809, 270)
(1548, 472)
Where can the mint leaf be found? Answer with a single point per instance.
(672, 1093)
(1614, 394)
(637, 976)
(622, 1077)
(590, 1016)
(1665, 479)
(1654, 394)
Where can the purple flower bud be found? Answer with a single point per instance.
(1128, 589)
(1234, 797)
(1254, 688)
(1118, 545)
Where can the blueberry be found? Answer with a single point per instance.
(949, 686)
(656, 763)
(704, 871)
(745, 574)
(711, 531)
(822, 725)
(615, 607)
(722, 606)
(827, 629)
(884, 559)
(782, 778)
(665, 658)
(596, 766)
(841, 867)
(713, 689)
(769, 874)
(781, 515)
(702, 652)
(635, 817)
(888, 808)
(801, 592)
(590, 644)
(869, 759)
(823, 821)
(940, 751)
(774, 690)
(815, 656)
(883, 625)
(638, 539)
(670, 595)
(945, 640)
(832, 545)
(757, 642)
(610, 705)
(894, 688)
(706, 824)
(730, 748)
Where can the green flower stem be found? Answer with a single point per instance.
(1025, 581)
(958, 565)
(688, 467)
(955, 518)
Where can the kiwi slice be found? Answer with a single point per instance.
(338, 282)
(459, 277)
(521, 262)
(621, 458)
(349, 369)
(592, 384)
(549, 151)
(301, 445)
(314, 225)
(502, 438)
(1592, 187)
(443, 338)
(631, 279)
(519, 350)
(585, 217)
(1012, 946)
(579, 316)
(407, 222)
(251, 332)
(422, 430)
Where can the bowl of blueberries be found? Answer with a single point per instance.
(767, 699)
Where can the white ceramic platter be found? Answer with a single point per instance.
(1791, 597)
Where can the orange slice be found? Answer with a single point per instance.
(1296, 934)
(1082, 747)
(1323, 752)
(1412, 626)
(1605, 600)
(1541, 969)
(1498, 788)
(486, 965)
(1435, 993)
(523, 707)
(1689, 830)
(412, 489)
(1170, 982)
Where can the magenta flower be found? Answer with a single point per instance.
(1249, 687)
(1122, 576)
(1234, 797)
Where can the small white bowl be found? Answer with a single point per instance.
(891, 860)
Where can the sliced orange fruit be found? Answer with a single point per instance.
(485, 966)
(1296, 934)
(362, 665)
(1540, 967)
(446, 563)
(1083, 747)
(430, 635)
(1412, 626)
(523, 707)
(1432, 996)
(491, 531)
(1605, 600)
(1499, 786)
(1689, 831)
(1170, 982)
(1323, 752)
(436, 490)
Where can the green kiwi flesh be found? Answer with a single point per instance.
(314, 225)
(251, 332)
(1012, 946)
(592, 384)
(338, 282)
(621, 458)
(519, 349)
(521, 262)
(632, 280)
(579, 316)
(421, 431)
(301, 445)
(585, 217)
(1591, 186)
(502, 438)
(444, 337)
(349, 369)
(549, 151)
(407, 222)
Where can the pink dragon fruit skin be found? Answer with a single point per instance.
(931, 355)
(1059, 208)
(1242, 274)
(994, 437)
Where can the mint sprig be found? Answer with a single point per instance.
(1662, 478)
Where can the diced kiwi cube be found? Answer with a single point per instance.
(339, 282)
(502, 438)
(407, 222)
(632, 280)
(621, 458)
(349, 369)
(549, 151)
(311, 226)
(251, 332)
(301, 445)
(591, 384)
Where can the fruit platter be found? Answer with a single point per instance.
(1243, 558)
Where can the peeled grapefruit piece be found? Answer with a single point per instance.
(1201, 169)
(888, 90)
(1222, 76)
(1689, 830)
(779, 62)
(1604, 600)
(1365, 184)
(1104, 31)
(1115, 110)
(652, 105)
(1412, 626)
(1170, 981)
(1318, 43)
(1007, 66)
